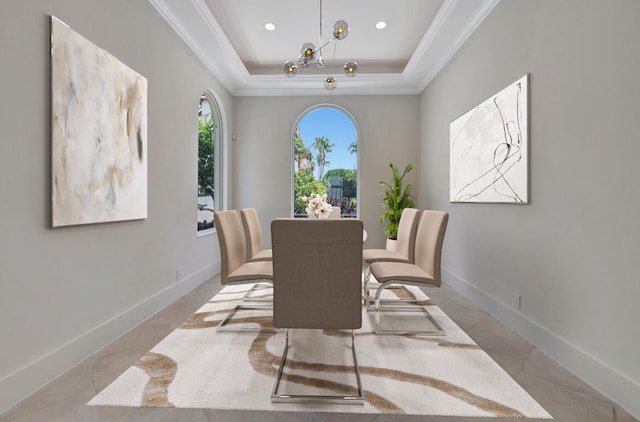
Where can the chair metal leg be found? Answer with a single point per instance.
(384, 302)
(329, 399)
(366, 276)
(223, 326)
(400, 306)
(247, 297)
(365, 292)
(367, 272)
(388, 303)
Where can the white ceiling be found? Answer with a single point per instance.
(230, 39)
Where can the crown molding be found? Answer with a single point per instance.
(194, 22)
(452, 26)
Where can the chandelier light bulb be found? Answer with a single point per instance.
(303, 62)
(340, 30)
(290, 68)
(330, 83)
(350, 69)
(308, 51)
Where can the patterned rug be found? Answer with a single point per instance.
(197, 367)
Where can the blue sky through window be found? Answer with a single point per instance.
(335, 125)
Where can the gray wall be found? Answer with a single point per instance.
(66, 292)
(572, 252)
(388, 132)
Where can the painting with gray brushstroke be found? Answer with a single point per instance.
(99, 133)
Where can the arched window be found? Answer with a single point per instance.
(209, 161)
(325, 159)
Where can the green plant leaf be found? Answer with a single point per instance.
(396, 196)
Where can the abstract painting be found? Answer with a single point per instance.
(99, 133)
(489, 149)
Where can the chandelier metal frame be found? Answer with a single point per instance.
(309, 55)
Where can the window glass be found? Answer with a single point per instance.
(208, 161)
(325, 145)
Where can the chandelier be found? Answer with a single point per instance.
(309, 55)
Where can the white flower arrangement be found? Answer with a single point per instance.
(317, 206)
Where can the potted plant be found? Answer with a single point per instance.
(396, 196)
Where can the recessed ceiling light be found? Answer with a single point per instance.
(381, 25)
(270, 26)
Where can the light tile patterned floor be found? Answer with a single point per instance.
(562, 394)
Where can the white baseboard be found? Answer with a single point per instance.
(25, 381)
(616, 386)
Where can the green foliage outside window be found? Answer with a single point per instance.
(206, 163)
(349, 181)
(304, 184)
(301, 152)
(300, 148)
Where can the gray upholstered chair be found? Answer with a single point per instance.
(425, 272)
(253, 236)
(234, 266)
(316, 276)
(404, 251)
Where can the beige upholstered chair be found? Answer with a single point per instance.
(234, 266)
(316, 275)
(425, 272)
(404, 251)
(253, 236)
(337, 211)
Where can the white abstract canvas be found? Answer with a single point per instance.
(99, 133)
(489, 149)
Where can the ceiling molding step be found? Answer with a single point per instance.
(363, 84)
(430, 37)
(460, 18)
(299, 90)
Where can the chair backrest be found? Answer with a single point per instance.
(252, 231)
(231, 239)
(407, 228)
(429, 238)
(337, 211)
(317, 268)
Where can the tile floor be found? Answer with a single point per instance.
(562, 394)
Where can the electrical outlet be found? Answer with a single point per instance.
(178, 275)
(517, 301)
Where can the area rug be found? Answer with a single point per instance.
(197, 367)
